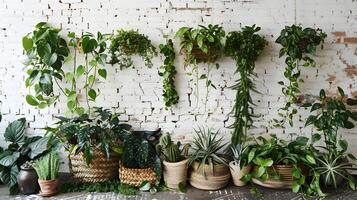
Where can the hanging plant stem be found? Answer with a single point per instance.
(244, 47)
(298, 45)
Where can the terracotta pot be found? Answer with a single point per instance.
(175, 173)
(212, 181)
(237, 173)
(27, 180)
(48, 187)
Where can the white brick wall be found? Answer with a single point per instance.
(139, 96)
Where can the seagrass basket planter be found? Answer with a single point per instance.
(101, 169)
(135, 177)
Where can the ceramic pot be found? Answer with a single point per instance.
(27, 180)
(48, 187)
(237, 173)
(210, 181)
(175, 173)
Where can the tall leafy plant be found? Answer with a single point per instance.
(46, 51)
(168, 73)
(21, 149)
(125, 44)
(299, 45)
(244, 47)
(202, 44)
(47, 166)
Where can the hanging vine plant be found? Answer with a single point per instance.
(46, 52)
(202, 45)
(298, 45)
(244, 47)
(168, 73)
(125, 44)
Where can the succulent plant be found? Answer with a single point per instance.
(170, 150)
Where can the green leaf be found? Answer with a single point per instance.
(322, 94)
(102, 73)
(316, 137)
(261, 170)
(80, 70)
(310, 159)
(15, 132)
(8, 158)
(50, 59)
(88, 155)
(92, 94)
(351, 102)
(71, 104)
(31, 100)
(9, 175)
(315, 106)
(182, 187)
(38, 147)
(27, 43)
(251, 155)
(340, 90)
(343, 144)
(295, 187)
(181, 31)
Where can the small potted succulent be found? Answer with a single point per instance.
(47, 168)
(238, 167)
(209, 168)
(175, 161)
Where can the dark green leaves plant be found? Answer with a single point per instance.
(298, 45)
(168, 73)
(244, 47)
(46, 51)
(125, 44)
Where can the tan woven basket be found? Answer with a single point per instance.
(135, 177)
(101, 169)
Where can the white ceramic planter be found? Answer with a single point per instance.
(237, 173)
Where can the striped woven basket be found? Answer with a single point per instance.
(135, 177)
(101, 169)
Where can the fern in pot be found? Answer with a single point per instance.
(209, 168)
(47, 168)
(175, 161)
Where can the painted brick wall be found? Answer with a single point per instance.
(137, 92)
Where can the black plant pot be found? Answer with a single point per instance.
(27, 180)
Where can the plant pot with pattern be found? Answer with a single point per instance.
(93, 143)
(209, 169)
(140, 163)
(175, 162)
(47, 168)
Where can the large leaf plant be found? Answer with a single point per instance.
(244, 47)
(20, 149)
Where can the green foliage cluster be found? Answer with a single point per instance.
(168, 73)
(139, 150)
(46, 51)
(108, 186)
(21, 149)
(170, 150)
(83, 134)
(298, 45)
(244, 47)
(206, 148)
(125, 44)
(47, 166)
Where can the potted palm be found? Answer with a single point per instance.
(209, 169)
(47, 168)
(175, 161)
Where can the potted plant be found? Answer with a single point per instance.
(201, 45)
(175, 161)
(139, 162)
(47, 168)
(237, 167)
(125, 44)
(299, 45)
(21, 149)
(209, 168)
(93, 144)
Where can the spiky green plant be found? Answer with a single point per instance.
(206, 147)
(170, 150)
(47, 167)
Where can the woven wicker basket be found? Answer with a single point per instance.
(101, 169)
(135, 177)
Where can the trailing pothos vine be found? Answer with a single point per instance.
(298, 45)
(202, 45)
(244, 47)
(168, 73)
(124, 44)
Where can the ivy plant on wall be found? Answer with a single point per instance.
(202, 45)
(168, 73)
(298, 45)
(125, 44)
(244, 47)
(46, 51)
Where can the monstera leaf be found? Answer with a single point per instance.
(15, 132)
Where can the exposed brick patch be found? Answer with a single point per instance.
(350, 40)
(339, 34)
